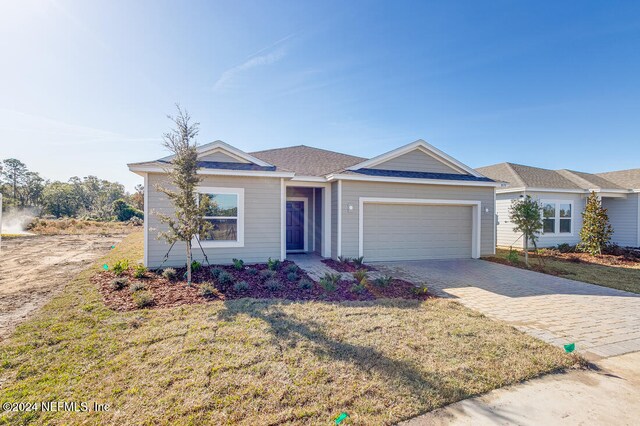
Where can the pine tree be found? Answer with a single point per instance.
(596, 230)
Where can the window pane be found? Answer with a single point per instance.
(222, 205)
(565, 210)
(565, 225)
(549, 226)
(549, 210)
(221, 230)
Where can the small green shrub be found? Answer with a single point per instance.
(137, 286)
(195, 266)
(291, 268)
(512, 256)
(253, 271)
(238, 264)
(273, 285)
(344, 259)
(241, 286)
(215, 272)
(273, 264)
(119, 283)
(267, 274)
(170, 274)
(142, 299)
(305, 284)
(329, 282)
(120, 267)
(334, 278)
(565, 248)
(420, 290)
(225, 278)
(358, 261)
(208, 290)
(292, 276)
(357, 288)
(139, 271)
(360, 276)
(383, 281)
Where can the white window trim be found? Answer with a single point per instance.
(557, 218)
(305, 237)
(239, 192)
(476, 217)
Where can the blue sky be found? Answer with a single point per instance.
(85, 86)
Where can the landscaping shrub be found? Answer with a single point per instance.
(420, 290)
(344, 259)
(139, 270)
(292, 276)
(383, 281)
(291, 268)
(241, 286)
(358, 261)
(238, 264)
(170, 274)
(357, 288)
(305, 284)
(142, 299)
(273, 264)
(225, 278)
(215, 272)
(252, 271)
(329, 282)
(208, 290)
(512, 256)
(137, 286)
(195, 266)
(566, 248)
(360, 276)
(267, 274)
(273, 285)
(119, 283)
(120, 267)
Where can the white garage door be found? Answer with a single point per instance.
(414, 232)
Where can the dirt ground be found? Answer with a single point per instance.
(34, 268)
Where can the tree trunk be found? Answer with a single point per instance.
(189, 263)
(526, 250)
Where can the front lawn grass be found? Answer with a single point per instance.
(258, 361)
(618, 277)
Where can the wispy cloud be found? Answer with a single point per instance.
(265, 56)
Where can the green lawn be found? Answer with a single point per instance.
(252, 361)
(619, 277)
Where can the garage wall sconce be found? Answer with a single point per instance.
(350, 208)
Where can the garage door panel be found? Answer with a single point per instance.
(413, 232)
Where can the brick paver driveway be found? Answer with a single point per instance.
(601, 321)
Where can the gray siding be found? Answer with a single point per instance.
(221, 157)
(416, 161)
(261, 222)
(318, 228)
(334, 220)
(506, 236)
(624, 216)
(547, 240)
(352, 191)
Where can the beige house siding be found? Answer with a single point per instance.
(416, 161)
(352, 191)
(222, 158)
(261, 222)
(624, 217)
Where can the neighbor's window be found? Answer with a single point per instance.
(225, 214)
(557, 217)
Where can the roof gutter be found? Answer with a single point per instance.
(571, 191)
(140, 169)
(337, 177)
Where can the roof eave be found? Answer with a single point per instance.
(336, 177)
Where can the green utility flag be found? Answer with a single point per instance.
(341, 417)
(570, 348)
(106, 267)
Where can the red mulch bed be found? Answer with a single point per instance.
(345, 266)
(533, 265)
(616, 256)
(169, 294)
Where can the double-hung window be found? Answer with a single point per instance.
(557, 217)
(225, 214)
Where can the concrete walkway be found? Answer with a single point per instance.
(601, 321)
(610, 396)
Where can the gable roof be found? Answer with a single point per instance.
(307, 161)
(625, 178)
(521, 176)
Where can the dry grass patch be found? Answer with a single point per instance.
(256, 361)
(78, 226)
(625, 278)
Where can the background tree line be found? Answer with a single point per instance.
(88, 197)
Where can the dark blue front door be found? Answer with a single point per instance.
(295, 225)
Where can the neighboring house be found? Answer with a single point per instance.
(414, 202)
(563, 195)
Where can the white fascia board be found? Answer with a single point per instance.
(213, 146)
(216, 172)
(561, 190)
(309, 179)
(419, 144)
(339, 177)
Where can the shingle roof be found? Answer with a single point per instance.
(518, 175)
(306, 160)
(625, 178)
(420, 175)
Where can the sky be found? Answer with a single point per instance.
(86, 86)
